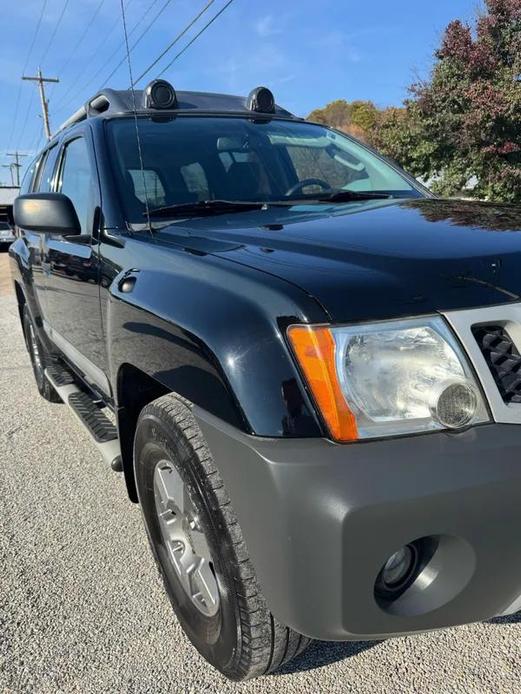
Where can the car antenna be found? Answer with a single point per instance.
(134, 109)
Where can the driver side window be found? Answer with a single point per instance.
(77, 181)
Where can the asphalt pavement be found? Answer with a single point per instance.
(81, 605)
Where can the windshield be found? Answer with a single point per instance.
(188, 159)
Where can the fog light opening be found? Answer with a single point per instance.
(398, 572)
(424, 574)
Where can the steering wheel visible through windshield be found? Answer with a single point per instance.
(193, 158)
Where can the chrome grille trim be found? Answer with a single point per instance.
(507, 316)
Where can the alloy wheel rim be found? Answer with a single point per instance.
(184, 539)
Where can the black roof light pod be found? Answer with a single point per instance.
(261, 100)
(159, 94)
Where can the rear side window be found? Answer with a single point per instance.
(45, 175)
(77, 181)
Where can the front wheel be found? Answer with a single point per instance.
(39, 359)
(199, 548)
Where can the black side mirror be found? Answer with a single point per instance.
(46, 212)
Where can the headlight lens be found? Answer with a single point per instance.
(402, 377)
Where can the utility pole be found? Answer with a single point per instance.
(16, 166)
(10, 167)
(45, 104)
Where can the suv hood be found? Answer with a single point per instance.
(375, 259)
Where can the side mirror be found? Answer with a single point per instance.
(46, 212)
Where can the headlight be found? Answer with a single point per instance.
(386, 379)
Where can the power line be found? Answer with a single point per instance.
(44, 55)
(35, 144)
(24, 125)
(67, 97)
(35, 35)
(83, 35)
(176, 39)
(212, 20)
(26, 63)
(80, 41)
(122, 45)
(38, 140)
(140, 37)
(55, 31)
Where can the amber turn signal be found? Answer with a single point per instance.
(315, 348)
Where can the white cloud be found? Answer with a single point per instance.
(339, 45)
(267, 26)
(284, 79)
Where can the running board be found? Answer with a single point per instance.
(102, 430)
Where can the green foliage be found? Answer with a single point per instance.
(358, 118)
(337, 114)
(364, 115)
(464, 122)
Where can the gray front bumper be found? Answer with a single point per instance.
(320, 519)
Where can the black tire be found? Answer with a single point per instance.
(243, 639)
(40, 359)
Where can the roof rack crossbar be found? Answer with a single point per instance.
(79, 115)
(98, 104)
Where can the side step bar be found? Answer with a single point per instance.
(99, 426)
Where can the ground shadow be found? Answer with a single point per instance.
(507, 619)
(322, 653)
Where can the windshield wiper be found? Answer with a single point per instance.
(349, 195)
(203, 208)
(208, 208)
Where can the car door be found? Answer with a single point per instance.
(73, 317)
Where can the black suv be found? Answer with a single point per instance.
(307, 368)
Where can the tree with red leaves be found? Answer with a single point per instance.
(465, 121)
(460, 129)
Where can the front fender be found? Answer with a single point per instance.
(22, 274)
(212, 331)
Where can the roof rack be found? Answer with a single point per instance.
(103, 101)
(122, 101)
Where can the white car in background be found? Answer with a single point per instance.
(6, 234)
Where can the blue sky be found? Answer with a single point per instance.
(308, 51)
